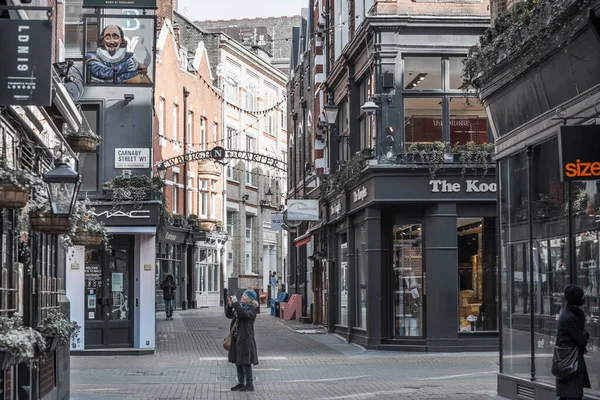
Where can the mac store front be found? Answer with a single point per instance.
(415, 261)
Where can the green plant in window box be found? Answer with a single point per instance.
(474, 155)
(57, 329)
(19, 343)
(85, 229)
(431, 154)
(348, 174)
(179, 220)
(192, 221)
(135, 189)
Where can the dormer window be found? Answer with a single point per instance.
(183, 59)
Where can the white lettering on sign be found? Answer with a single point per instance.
(132, 158)
(359, 194)
(136, 214)
(336, 208)
(473, 186)
(170, 236)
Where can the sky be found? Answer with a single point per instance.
(200, 10)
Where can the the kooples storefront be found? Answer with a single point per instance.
(414, 261)
(112, 292)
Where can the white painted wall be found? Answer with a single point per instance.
(144, 301)
(75, 289)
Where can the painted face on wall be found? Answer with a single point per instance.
(112, 39)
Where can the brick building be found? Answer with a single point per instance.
(272, 36)
(194, 258)
(405, 246)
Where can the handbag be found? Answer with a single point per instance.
(565, 362)
(227, 342)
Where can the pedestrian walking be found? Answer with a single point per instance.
(168, 287)
(242, 351)
(571, 333)
(274, 286)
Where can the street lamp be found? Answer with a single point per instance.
(370, 107)
(331, 111)
(63, 185)
(162, 171)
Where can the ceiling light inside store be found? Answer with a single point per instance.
(417, 79)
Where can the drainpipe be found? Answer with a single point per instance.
(188, 275)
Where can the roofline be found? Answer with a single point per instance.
(232, 43)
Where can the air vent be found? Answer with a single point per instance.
(525, 392)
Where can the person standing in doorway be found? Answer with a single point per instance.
(274, 286)
(242, 351)
(168, 287)
(571, 333)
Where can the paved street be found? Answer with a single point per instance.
(297, 361)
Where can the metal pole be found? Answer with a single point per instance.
(531, 294)
(188, 274)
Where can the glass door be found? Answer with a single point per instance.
(408, 281)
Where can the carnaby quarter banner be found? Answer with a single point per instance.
(119, 3)
(26, 67)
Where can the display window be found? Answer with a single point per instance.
(476, 274)
(343, 282)
(408, 280)
(362, 274)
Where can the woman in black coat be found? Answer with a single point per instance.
(242, 351)
(571, 333)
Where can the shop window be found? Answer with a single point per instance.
(423, 120)
(422, 73)
(468, 121)
(455, 65)
(408, 280)
(360, 236)
(476, 245)
(343, 282)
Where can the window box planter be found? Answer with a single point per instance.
(82, 144)
(13, 196)
(207, 224)
(46, 222)
(51, 342)
(88, 239)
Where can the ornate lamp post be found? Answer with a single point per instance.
(63, 186)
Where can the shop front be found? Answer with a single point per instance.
(209, 250)
(112, 289)
(415, 261)
(170, 259)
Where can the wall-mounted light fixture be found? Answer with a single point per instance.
(128, 98)
(245, 198)
(267, 202)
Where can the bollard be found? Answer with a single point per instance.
(257, 291)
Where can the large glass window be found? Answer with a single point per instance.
(343, 282)
(422, 73)
(360, 235)
(408, 280)
(455, 65)
(423, 120)
(476, 243)
(468, 121)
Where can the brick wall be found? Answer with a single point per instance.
(202, 102)
(47, 379)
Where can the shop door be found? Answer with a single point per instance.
(109, 294)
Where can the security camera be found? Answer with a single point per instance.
(128, 97)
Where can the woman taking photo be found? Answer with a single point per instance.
(571, 333)
(242, 351)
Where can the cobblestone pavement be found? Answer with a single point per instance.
(297, 361)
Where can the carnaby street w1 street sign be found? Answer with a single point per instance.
(26, 67)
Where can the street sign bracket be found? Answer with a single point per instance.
(49, 10)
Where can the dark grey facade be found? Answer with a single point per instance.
(548, 225)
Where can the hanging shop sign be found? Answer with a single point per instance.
(579, 152)
(119, 3)
(26, 67)
(277, 222)
(132, 158)
(303, 210)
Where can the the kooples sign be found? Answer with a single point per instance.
(470, 186)
(26, 67)
(579, 152)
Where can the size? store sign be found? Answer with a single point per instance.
(579, 152)
(132, 158)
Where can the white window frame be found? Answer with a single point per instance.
(161, 122)
(202, 133)
(248, 255)
(190, 192)
(203, 198)
(250, 146)
(175, 192)
(251, 98)
(175, 127)
(183, 59)
(230, 217)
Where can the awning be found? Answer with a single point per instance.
(302, 240)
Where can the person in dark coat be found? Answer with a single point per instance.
(242, 351)
(168, 287)
(571, 333)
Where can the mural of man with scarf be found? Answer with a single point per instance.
(112, 63)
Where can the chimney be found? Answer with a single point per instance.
(176, 32)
